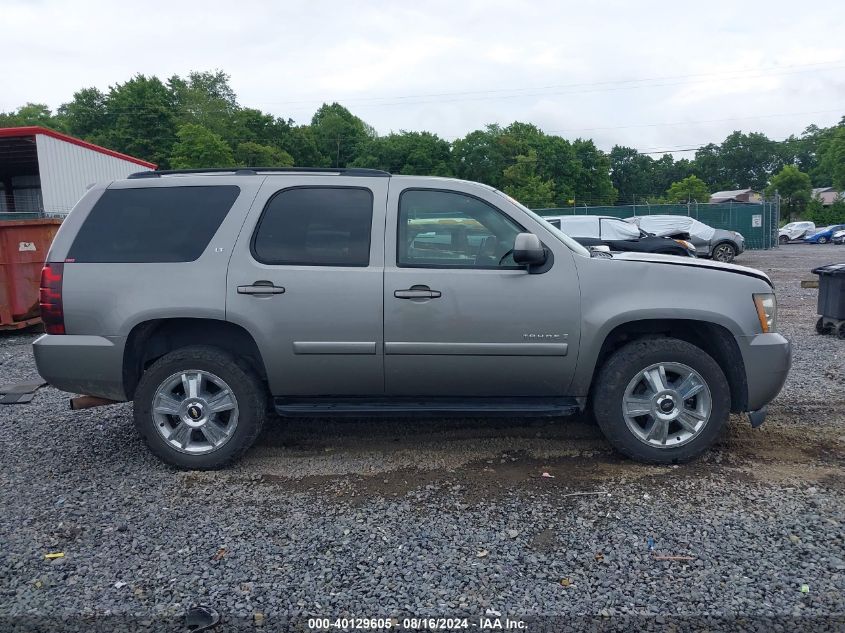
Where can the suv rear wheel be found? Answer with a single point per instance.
(661, 400)
(197, 408)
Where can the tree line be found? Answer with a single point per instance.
(196, 121)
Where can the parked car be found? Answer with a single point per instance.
(208, 298)
(617, 234)
(795, 231)
(824, 235)
(838, 237)
(718, 244)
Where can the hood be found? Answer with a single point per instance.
(673, 260)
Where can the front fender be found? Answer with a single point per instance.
(616, 292)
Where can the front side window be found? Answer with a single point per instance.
(446, 229)
(316, 226)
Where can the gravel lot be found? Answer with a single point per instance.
(373, 518)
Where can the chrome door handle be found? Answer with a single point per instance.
(417, 292)
(261, 288)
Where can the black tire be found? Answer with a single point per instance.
(249, 392)
(840, 331)
(621, 368)
(783, 240)
(724, 252)
(822, 327)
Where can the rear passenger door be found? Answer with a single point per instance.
(305, 279)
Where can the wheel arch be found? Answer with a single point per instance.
(152, 339)
(715, 339)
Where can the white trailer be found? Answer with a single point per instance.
(43, 171)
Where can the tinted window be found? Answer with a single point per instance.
(453, 230)
(316, 226)
(155, 224)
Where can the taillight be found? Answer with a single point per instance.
(50, 298)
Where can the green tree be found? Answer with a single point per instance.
(86, 115)
(339, 134)
(29, 114)
(141, 119)
(592, 182)
(522, 182)
(824, 216)
(204, 98)
(690, 189)
(632, 173)
(794, 187)
(420, 153)
(198, 147)
(481, 156)
(748, 160)
(832, 158)
(251, 154)
(301, 143)
(708, 166)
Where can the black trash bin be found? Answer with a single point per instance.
(831, 299)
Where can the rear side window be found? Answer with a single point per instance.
(316, 226)
(155, 224)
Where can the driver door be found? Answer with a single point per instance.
(461, 319)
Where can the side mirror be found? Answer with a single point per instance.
(528, 250)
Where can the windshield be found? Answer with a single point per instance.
(563, 237)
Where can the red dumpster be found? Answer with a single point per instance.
(23, 249)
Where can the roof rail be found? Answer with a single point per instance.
(253, 171)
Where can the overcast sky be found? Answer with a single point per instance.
(652, 75)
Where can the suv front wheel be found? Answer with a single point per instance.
(198, 408)
(661, 400)
(724, 252)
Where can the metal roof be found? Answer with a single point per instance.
(36, 130)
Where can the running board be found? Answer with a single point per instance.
(426, 407)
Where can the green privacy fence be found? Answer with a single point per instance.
(758, 223)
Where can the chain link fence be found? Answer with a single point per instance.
(757, 222)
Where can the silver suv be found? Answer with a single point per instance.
(213, 299)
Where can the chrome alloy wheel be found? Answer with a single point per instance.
(667, 405)
(195, 411)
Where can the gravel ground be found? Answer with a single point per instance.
(403, 518)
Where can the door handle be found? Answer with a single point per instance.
(261, 288)
(417, 292)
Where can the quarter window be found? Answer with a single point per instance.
(152, 224)
(445, 229)
(316, 226)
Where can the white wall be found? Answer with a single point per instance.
(68, 169)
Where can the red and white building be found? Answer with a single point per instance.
(46, 172)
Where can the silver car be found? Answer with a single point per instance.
(718, 244)
(209, 298)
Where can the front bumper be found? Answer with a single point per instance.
(767, 359)
(90, 365)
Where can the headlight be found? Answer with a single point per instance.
(767, 309)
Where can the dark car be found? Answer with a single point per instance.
(618, 235)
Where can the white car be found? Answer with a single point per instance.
(838, 237)
(796, 231)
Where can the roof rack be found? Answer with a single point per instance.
(254, 171)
